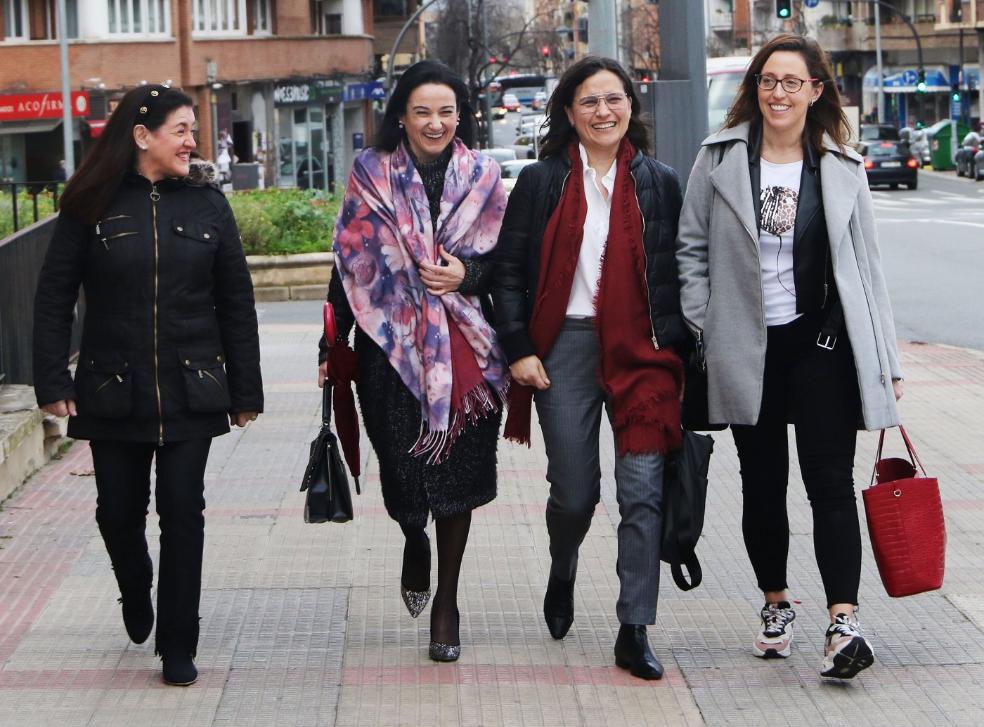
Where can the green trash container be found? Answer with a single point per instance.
(940, 149)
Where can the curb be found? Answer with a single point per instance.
(303, 276)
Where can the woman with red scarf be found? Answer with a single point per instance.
(587, 311)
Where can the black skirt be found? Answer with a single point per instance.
(413, 489)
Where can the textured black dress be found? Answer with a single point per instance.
(391, 414)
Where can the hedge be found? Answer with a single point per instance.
(285, 221)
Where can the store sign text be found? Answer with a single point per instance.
(27, 106)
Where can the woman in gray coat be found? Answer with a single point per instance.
(781, 283)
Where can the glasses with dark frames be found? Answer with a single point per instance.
(790, 84)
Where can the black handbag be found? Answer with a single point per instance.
(328, 498)
(693, 409)
(684, 498)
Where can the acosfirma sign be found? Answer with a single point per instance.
(30, 106)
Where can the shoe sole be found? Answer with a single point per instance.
(181, 684)
(773, 653)
(849, 661)
(622, 664)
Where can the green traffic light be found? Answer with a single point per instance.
(956, 97)
(783, 13)
(921, 87)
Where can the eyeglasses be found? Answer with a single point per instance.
(790, 84)
(614, 101)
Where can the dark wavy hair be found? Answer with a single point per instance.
(561, 132)
(390, 134)
(92, 188)
(827, 113)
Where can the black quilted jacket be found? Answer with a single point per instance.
(517, 255)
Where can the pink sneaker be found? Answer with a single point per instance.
(775, 637)
(846, 651)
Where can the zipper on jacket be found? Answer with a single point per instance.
(645, 281)
(154, 197)
(202, 373)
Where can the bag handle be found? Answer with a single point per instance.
(326, 405)
(913, 457)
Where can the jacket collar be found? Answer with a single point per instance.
(743, 132)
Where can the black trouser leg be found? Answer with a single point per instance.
(180, 505)
(123, 495)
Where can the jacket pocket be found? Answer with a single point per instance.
(104, 385)
(204, 233)
(205, 381)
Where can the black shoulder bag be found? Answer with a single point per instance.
(328, 498)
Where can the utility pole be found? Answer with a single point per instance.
(486, 102)
(602, 37)
(878, 61)
(68, 132)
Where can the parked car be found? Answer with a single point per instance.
(966, 155)
(525, 147)
(878, 132)
(511, 170)
(510, 102)
(500, 154)
(528, 123)
(889, 162)
(539, 100)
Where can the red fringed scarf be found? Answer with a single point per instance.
(641, 382)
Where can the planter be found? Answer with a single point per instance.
(290, 277)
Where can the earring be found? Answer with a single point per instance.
(812, 102)
(400, 124)
(142, 147)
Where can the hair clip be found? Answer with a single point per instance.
(143, 109)
(155, 93)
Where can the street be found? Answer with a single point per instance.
(933, 251)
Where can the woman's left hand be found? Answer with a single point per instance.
(897, 388)
(242, 418)
(441, 279)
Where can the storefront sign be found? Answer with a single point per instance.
(307, 92)
(363, 91)
(28, 106)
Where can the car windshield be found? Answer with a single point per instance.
(875, 132)
(885, 149)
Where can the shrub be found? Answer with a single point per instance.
(285, 221)
(25, 208)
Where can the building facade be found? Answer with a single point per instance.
(282, 83)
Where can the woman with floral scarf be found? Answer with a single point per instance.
(421, 213)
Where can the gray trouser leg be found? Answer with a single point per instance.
(639, 490)
(570, 417)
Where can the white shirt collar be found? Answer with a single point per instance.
(608, 180)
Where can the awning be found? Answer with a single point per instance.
(96, 127)
(29, 127)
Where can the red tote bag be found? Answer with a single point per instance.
(905, 522)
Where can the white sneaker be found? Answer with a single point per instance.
(775, 637)
(846, 650)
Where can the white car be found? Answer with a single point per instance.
(511, 170)
(500, 154)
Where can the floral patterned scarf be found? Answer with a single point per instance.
(383, 232)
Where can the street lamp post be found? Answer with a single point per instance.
(68, 134)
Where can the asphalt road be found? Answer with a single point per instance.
(932, 244)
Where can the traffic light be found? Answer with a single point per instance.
(784, 9)
(921, 85)
(545, 51)
(955, 93)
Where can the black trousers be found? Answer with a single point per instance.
(123, 486)
(817, 391)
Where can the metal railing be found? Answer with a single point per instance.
(23, 203)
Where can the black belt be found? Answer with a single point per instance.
(831, 326)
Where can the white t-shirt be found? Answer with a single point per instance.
(779, 197)
(588, 273)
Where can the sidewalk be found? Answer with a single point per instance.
(303, 624)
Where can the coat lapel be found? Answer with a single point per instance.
(839, 184)
(732, 182)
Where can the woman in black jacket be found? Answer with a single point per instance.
(587, 310)
(169, 356)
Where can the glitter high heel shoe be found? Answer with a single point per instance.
(415, 601)
(446, 652)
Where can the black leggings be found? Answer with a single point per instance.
(817, 391)
(123, 486)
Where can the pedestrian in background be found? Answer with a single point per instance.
(420, 216)
(587, 310)
(781, 282)
(169, 356)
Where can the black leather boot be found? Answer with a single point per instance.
(632, 652)
(558, 606)
(179, 668)
(138, 614)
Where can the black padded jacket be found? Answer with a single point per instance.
(517, 254)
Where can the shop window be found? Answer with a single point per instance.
(16, 21)
(139, 17)
(219, 17)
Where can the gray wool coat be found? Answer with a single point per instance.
(721, 282)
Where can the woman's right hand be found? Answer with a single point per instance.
(63, 408)
(528, 371)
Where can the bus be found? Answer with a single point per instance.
(723, 79)
(524, 87)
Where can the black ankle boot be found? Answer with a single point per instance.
(558, 606)
(138, 614)
(179, 668)
(632, 652)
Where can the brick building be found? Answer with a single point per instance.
(286, 81)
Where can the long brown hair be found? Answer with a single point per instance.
(561, 132)
(92, 188)
(826, 115)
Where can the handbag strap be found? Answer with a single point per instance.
(913, 457)
(326, 404)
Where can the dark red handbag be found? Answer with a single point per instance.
(905, 522)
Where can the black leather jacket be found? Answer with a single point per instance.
(170, 343)
(517, 254)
